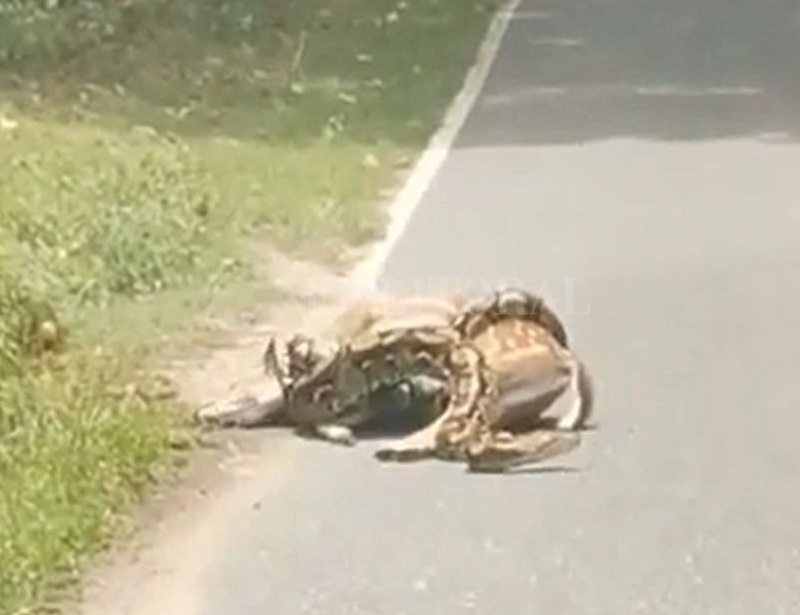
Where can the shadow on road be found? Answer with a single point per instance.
(581, 70)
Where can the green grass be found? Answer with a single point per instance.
(142, 145)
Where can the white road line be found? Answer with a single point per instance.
(364, 276)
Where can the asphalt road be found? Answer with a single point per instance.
(642, 174)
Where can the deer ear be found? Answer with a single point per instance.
(274, 360)
(459, 300)
(268, 358)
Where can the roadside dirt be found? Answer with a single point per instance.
(157, 568)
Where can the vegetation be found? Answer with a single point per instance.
(140, 143)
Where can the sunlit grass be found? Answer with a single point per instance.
(140, 144)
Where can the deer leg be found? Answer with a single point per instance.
(526, 395)
(554, 391)
(328, 432)
(244, 412)
(575, 406)
(583, 405)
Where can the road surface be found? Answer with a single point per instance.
(644, 177)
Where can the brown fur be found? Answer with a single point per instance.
(520, 371)
(510, 367)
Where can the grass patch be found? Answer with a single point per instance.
(76, 453)
(296, 110)
(140, 144)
